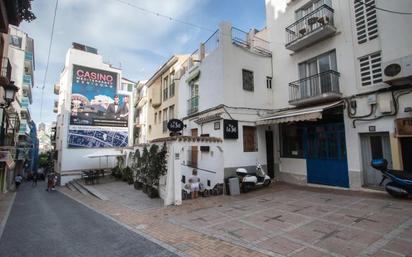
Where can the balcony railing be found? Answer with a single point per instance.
(6, 68)
(193, 105)
(308, 25)
(258, 45)
(317, 88)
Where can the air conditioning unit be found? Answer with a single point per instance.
(398, 72)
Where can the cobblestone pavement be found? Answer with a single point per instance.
(283, 220)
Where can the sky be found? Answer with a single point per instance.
(125, 36)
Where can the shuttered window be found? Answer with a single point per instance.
(366, 20)
(249, 139)
(371, 69)
(248, 83)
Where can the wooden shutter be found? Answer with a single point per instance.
(249, 139)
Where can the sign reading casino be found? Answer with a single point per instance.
(99, 116)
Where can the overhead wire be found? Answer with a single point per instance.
(383, 9)
(48, 59)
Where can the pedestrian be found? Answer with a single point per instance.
(54, 181)
(34, 183)
(50, 178)
(194, 181)
(17, 180)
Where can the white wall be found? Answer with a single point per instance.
(71, 159)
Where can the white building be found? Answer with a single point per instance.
(141, 105)
(98, 117)
(21, 57)
(225, 89)
(330, 73)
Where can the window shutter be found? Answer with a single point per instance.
(366, 20)
(249, 139)
(247, 76)
(371, 69)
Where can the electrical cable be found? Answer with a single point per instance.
(48, 59)
(382, 9)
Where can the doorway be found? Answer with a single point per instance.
(406, 147)
(374, 146)
(269, 153)
(193, 152)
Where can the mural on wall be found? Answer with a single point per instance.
(99, 116)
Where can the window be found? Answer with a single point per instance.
(15, 41)
(291, 141)
(312, 6)
(249, 139)
(160, 116)
(370, 69)
(165, 88)
(155, 118)
(171, 112)
(247, 76)
(366, 21)
(130, 87)
(165, 120)
(269, 82)
(172, 84)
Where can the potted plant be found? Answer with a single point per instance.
(144, 168)
(127, 175)
(136, 166)
(158, 169)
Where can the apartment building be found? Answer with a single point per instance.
(141, 105)
(162, 94)
(226, 87)
(342, 88)
(94, 118)
(21, 58)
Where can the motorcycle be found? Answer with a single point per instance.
(400, 185)
(252, 180)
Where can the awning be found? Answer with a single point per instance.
(105, 153)
(194, 74)
(297, 114)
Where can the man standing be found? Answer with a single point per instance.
(125, 108)
(113, 110)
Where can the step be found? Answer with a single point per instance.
(79, 187)
(71, 187)
(89, 189)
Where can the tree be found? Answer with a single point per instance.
(24, 10)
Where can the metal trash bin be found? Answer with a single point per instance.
(234, 186)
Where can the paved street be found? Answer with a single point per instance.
(283, 220)
(51, 224)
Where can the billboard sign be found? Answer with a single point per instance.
(99, 116)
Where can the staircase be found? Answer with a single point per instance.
(77, 185)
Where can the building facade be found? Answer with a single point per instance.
(162, 94)
(225, 89)
(93, 114)
(338, 104)
(141, 105)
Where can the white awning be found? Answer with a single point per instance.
(295, 114)
(105, 153)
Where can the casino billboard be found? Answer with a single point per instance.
(99, 116)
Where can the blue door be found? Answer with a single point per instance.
(325, 152)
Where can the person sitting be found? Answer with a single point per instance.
(17, 180)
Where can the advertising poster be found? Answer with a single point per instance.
(99, 116)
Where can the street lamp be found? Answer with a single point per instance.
(9, 93)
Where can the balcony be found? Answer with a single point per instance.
(322, 87)
(310, 29)
(193, 105)
(6, 68)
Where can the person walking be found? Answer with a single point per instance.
(50, 179)
(17, 180)
(194, 181)
(34, 182)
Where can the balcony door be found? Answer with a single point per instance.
(314, 75)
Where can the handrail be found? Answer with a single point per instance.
(309, 14)
(316, 75)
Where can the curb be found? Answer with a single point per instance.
(4, 221)
(146, 236)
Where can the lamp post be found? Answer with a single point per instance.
(9, 93)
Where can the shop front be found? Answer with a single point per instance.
(312, 145)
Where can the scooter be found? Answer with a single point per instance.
(400, 184)
(252, 180)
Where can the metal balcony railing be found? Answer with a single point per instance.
(309, 23)
(258, 45)
(6, 68)
(193, 105)
(313, 86)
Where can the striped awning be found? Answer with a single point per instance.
(297, 114)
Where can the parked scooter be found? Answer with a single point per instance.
(400, 184)
(252, 180)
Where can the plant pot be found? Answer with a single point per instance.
(153, 192)
(138, 185)
(145, 188)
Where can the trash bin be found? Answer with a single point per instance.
(234, 186)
